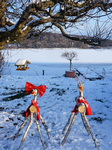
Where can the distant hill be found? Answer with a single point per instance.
(54, 40)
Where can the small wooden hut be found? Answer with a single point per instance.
(22, 64)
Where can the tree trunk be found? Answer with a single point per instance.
(2, 13)
(70, 64)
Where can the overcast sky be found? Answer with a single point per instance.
(54, 55)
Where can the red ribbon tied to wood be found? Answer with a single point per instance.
(38, 111)
(88, 108)
(29, 87)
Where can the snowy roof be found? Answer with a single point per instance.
(21, 62)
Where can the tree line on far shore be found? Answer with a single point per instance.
(55, 40)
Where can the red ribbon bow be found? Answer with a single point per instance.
(88, 108)
(38, 111)
(29, 87)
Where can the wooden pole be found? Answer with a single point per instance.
(68, 130)
(38, 128)
(21, 127)
(43, 72)
(88, 128)
(67, 123)
(45, 126)
(31, 120)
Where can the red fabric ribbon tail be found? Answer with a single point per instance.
(75, 109)
(88, 108)
(27, 112)
(38, 114)
(88, 111)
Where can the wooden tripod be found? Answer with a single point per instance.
(80, 107)
(33, 111)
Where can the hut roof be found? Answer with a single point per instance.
(21, 62)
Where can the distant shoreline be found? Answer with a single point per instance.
(48, 55)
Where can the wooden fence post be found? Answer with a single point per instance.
(43, 72)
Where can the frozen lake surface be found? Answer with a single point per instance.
(55, 107)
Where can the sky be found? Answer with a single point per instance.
(54, 55)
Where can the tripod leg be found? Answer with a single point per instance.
(90, 131)
(85, 122)
(67, 123)
(31, 120)
(21, 127)
(68, 130)
(38, 127)
(45, 126)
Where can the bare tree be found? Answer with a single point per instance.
(4, 65)
(91, 19)
(69, 56)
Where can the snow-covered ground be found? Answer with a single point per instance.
(55, 108)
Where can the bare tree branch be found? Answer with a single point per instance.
(20, 18)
